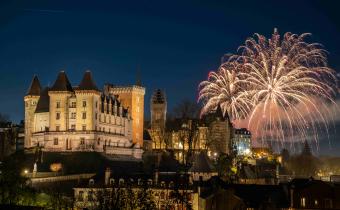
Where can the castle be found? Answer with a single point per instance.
(83, 118)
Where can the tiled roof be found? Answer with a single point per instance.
(87, 83)
(62, 83)
(44, 101)
(35, 87)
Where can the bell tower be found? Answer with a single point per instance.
(158, 107)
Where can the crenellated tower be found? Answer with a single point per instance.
(132, 98)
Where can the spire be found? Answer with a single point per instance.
(62, 83)
(219, 112)
(35, 87)
(158, 97)
(306, 149)
(87, 83)
(138, 77)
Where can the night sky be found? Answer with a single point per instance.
(173, 44)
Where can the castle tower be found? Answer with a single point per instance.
(131, 97)
(158, 108)
(87, 98)
(31, 100)
(59, 108)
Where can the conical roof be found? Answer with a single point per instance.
(201, 164)
(62, 83)
(35, 87)
(44, 101)
(87, 83)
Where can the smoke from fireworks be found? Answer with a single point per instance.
(281, 86)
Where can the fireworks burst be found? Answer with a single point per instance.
(279, 85)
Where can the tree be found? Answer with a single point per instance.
(186, 109)
(13, 186)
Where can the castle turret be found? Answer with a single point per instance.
(88, 97)
(59, 95)
(31, 100)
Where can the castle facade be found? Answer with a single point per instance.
(81, 118)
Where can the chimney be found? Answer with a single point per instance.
(107, 175)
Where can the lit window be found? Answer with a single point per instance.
(55, 141)
(84, 103)
(81, 196)
(90, 196)
(303, 202)
(84, 115)
(316, 202)
(73, 104)
(57, 116)
(73, 115)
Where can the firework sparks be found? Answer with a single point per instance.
(278, 85)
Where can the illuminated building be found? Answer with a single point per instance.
(242, 141)
(80, 118)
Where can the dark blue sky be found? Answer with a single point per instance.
(174, 43)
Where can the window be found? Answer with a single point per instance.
(55, 141)
(58, 104)
(82, 141)
(57, 128)
(98, 141)
(81, 196)
(96, 116)
(303, 202)
(90, 196)
(96, 104)
(84, 127)
(57, 116)
(84, 103)
(328, 203)
(73, 115)
(84, 115)
(73, 127)
(73, 104)
(316, 203)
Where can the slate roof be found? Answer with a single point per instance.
(62, 83)
(256, 196)
(201, 164)
(168, 163)
(35, 87)
(87, 83)
(44, 101)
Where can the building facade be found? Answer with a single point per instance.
(242, 141)
(131, 97)
(77, 118)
